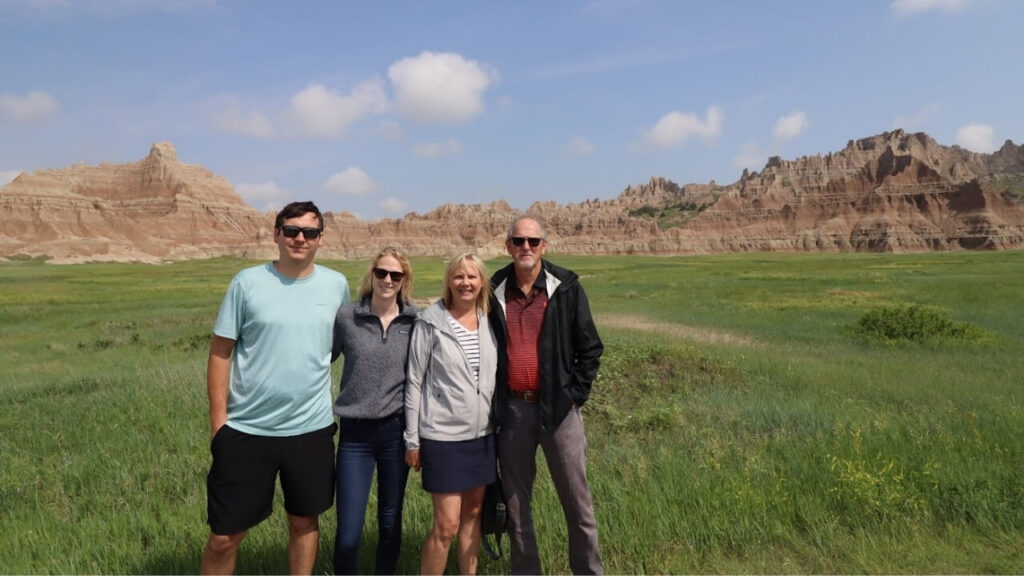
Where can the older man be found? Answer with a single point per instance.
(552, 355)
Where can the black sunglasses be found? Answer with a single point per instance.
(293, 232)
(381, 274)
(518, 241)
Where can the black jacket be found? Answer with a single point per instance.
(570, 349)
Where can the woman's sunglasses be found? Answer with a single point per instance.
(381, 274)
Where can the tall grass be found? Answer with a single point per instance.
(738, 423)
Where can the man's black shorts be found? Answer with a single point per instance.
(240, 485)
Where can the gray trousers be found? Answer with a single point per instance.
(565, 451)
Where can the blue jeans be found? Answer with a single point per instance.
(363, 445)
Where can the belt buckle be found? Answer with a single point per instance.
(530, 396)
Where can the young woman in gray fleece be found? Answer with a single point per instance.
(373, 333)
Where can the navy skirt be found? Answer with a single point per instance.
(450, 467)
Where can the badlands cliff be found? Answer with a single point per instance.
(153, 210)
(890, 192)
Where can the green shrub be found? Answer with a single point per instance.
(649, 211)
(28, 258)
(904, 324)
(635, 372)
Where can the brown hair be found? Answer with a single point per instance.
(297, 209)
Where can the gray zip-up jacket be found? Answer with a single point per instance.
(373, 381)
(443, 401)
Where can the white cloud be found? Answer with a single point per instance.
(437, 149)
(321, 113)
(911, 7)
(266, 195)
(577, 147)
(230, 117)
(391, 131)
(352, 181)
(442, 88)
(750, 156)
(6, 176)
(977, 138)
(675, 128)
(789, 127)
(34, 107)
(392, 205)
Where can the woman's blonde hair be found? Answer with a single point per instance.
(405, 292)
(467, 259)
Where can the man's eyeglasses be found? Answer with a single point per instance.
(381, 274)
(518, 241)
(293, 232)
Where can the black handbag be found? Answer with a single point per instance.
(493, 517)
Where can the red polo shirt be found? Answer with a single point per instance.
(524, 315)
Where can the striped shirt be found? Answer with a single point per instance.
(470, 344)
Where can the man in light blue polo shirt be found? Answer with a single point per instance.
(269, 381)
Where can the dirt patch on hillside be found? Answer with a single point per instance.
(699, 334)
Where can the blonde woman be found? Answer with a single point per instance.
(448, 437)
(373, 333)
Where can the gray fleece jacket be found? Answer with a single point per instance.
(373, 381)
(443, 401)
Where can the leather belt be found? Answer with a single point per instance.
(530, 396)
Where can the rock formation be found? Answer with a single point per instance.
(154, 210)
(891, 192)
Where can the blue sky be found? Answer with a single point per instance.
(384, 108)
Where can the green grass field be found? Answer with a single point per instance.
(739, 423)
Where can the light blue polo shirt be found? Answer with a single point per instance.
(281, 366)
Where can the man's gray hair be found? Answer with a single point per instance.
(535, 218)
